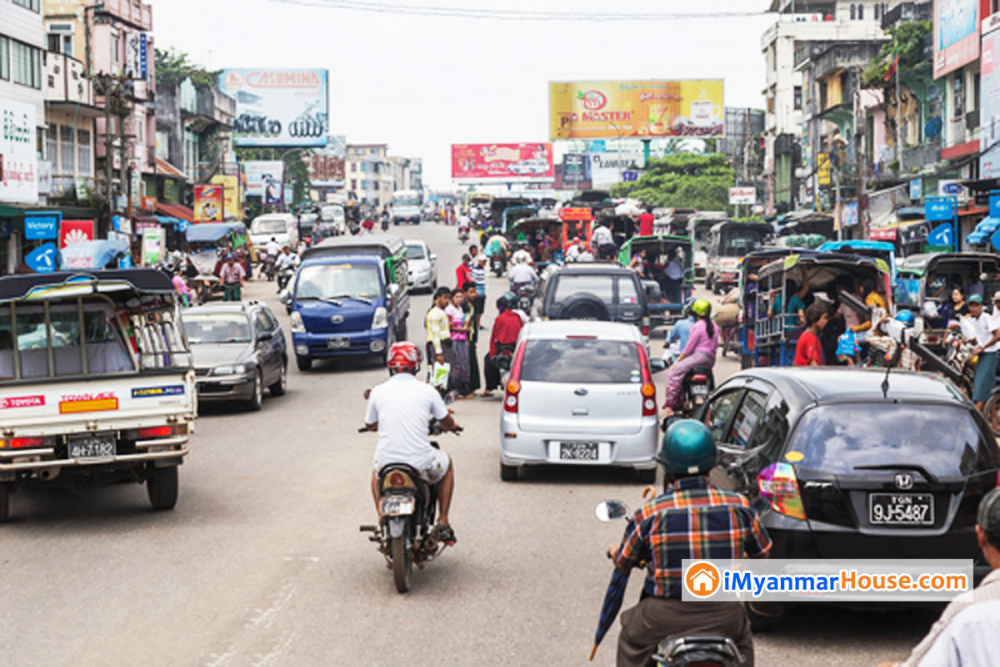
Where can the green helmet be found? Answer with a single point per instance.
(688, 448)
(701, 308)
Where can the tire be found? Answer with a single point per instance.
(204, 293)
(281, 386)
(759, 622)
(401, 331)
(303, 363)
(584, 306)
(161, 486)
(402, 566)
(4, 501)
(646, 476)
(991, 411)
(257, 396)
(508, 473)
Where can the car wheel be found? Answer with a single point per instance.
(508, 473)
(646, 476)
(4, 501)
(991, 410)
(161, 486)
(762, 616)
(279, 387)
(257, 394)
(303, 363)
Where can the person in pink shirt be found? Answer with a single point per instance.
(459, 377)
(183, 291)
(701, 348)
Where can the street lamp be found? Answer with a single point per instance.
(621, 165)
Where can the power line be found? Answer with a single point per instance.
(509, 14)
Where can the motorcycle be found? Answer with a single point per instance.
(525, 298)
(285, 277)
(463, 234)
(268, 267)
(497, 265)
(408, 505)
(694, 651)
(385, 222)
(698, 383)
(503, 360)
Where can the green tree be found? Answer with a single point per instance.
(173, 66)
(910, 39)
(683, 181)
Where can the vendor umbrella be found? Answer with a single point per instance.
(612, 604)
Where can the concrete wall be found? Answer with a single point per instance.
(24, 25)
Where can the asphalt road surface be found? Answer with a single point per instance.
(262, 563)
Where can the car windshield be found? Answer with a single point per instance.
(406, 201)
(326, 281)
(215, 328)
(331, 213)
(600, 286)
(842, 438)
(415, 251)
(269, 227)
(581, 360)
(737, 243)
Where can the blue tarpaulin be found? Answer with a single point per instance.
(91, 254)
(210, 232)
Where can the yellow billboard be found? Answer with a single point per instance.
(823, 169)
(644, 109)
(231, 195)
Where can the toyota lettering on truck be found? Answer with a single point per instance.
(96, 382)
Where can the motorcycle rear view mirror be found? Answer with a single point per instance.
(285, 297)
(611, 510)
(657, 365)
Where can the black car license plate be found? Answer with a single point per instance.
(91, 447)
(901, 509)
(578, 451)
(338, 343)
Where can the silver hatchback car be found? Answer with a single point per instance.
(580, 393)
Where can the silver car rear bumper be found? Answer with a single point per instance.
(635, 450)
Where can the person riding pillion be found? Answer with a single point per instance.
(693, 520)
(700, 350)
(399, 409)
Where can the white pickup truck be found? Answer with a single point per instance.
(96, 382)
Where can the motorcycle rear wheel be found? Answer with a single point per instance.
(402, 566)
(991, 411)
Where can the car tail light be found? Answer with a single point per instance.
(648, 391)
(156, 432)
(777, 483)
(510, 399)
(23, 443)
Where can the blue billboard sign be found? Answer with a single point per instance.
(42, 226)
(942, 235)
(939, 209)
(916, 189)
(43, 258)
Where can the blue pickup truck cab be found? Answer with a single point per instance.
(349, 297)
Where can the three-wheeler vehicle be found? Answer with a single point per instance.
(209, 243)
(728, 244)
(666, 302)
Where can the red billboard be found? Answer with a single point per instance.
(507, 163)
(74, 231)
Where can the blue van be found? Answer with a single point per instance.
(349, 297)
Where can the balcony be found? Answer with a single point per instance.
(65, 82)
(922, 155)
(135, 13)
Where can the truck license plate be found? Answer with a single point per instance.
(91, 447)
(338, 343)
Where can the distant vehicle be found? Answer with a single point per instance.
(730, 242)
(594, 291)
(840, 468)
(422, 265)
(282, 227)
(239, 350)
(580, 393)
(406, 207)
(306, 223)
(332, 217)
(699, 230)
(666, 304)
(529, 167)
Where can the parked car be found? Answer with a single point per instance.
(838, 468)
(593, 291)
(580, 393)
(239, 349)
(422, 264)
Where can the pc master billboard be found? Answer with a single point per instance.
(278, 107)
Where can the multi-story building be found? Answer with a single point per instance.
(369, 175)
(743, 126)
(327, 168)
(801, 21)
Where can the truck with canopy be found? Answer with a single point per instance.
(667, 300)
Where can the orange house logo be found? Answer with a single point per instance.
(702, 579)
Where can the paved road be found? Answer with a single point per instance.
(262, 563)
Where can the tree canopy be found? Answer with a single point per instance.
(910, 38)
(700, 181)
(173, 66)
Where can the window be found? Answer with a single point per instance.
(580, 360)
(626, 292)
(376, 185)
(797, 97)
(861, 12)
(33, 5)
(597, 286)
(215, 328)
(27, 62)
(959, 97)
(83, 153)
(354, 184)
(260, 325)
(354, 166)
(4, 58)
(51, 147)
(745, 425)
(66, 150)
(854, 11)
(719, 411)
(364, 184)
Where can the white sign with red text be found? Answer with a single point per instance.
(742, 195)
(18, 156)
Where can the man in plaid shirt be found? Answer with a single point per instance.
(691, 520)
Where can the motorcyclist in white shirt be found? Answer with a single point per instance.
(273, 248)
(522, 274)
(521, 255)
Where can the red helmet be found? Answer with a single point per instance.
(403, 356)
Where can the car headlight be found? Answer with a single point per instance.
(235, 369)
(381, 319)
(297, 325)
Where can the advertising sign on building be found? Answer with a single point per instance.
(508, 163)
(606, 168)
(742, 195)
(576, 171)
(42, 226)
(952, 188)
(232, 202)
(136, 56)
(152, 245)
(74, 231)
(278, 107)
(849, 214)
(823, 168)
(644, 109)
(43, 258)
(956, 34)
(989, 96)
(18, 157)
(208, 203)
(264, 172)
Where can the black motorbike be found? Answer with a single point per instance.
(269, 269)
(409, 508)
(285, 277)
(463, 234)
(525, 298)
(497, 265)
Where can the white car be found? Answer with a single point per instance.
(422, 265)
(282, 227)
(580, 393)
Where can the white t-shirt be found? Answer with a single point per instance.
(572, 253)
(984, 326)
(521, 256)
(463, 221)
(273, 248)
(602, 236)
(286, 260)
(402, 406)
(969, 639)
(522, 273)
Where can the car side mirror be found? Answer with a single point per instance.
(265, 335)
(657, 365)
(434, 257)
(611, 510)
(393, 289)
(285, 297)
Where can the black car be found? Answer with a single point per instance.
(239, 349)
(893, 475)
(594, 291)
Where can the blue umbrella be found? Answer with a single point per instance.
(612, 604)
(91, 254)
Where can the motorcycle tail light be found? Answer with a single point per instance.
(510, 399)
(699, 378)
(778, 484)
(398, 480)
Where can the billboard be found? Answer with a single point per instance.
(989, 104)
(232, 202)
(18, 158)
(608, 168)
(264, 175)
(576, 171)
(74, 231)
(208, 203)
(956, 34)
(508, 163)
(644, 109)
(278, 107)
(136, 56)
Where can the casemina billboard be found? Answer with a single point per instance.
(278, 107)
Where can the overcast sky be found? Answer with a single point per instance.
(420, 84)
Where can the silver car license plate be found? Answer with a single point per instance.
(338, 343)
(578, 451)
(901, 509)
(91, 447)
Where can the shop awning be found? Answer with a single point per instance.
(164, 168)
(175, 211)
(975, 238)
(987, 225)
